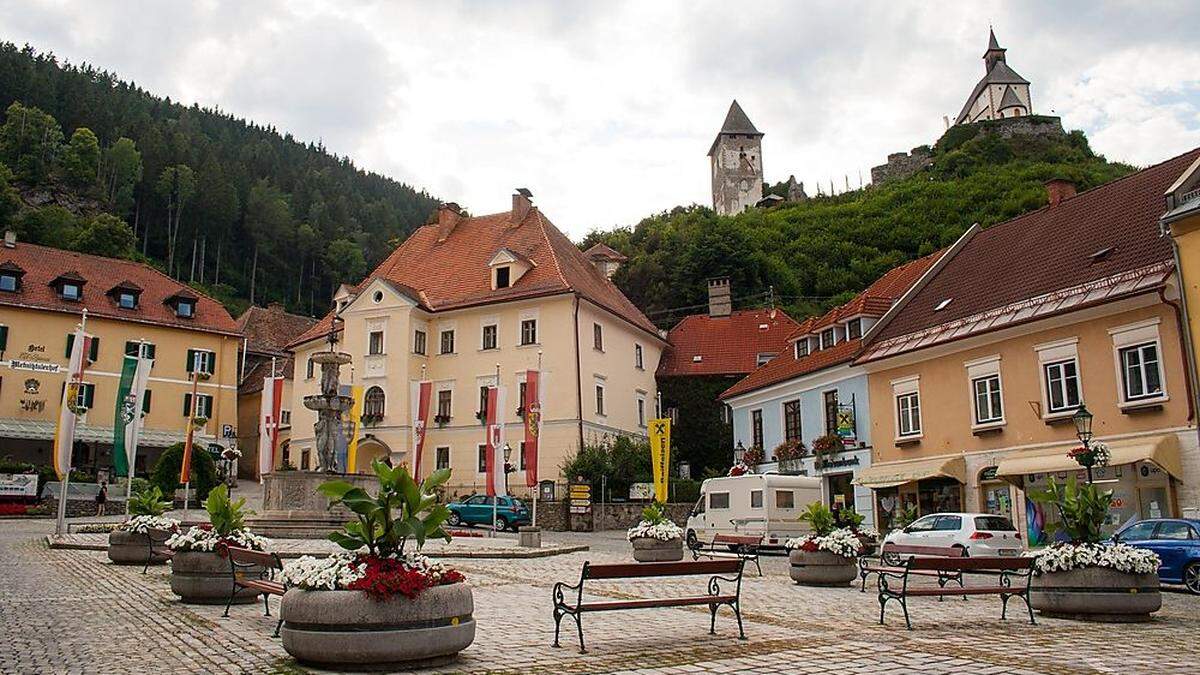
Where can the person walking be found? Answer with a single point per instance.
(101, 498)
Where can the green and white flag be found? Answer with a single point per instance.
(127, 422)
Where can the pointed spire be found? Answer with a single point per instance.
(736, 121)
(992, 42)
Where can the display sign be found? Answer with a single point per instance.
(35, 366)
(660, 456)
(845, 423)
(579, 498)
(641, 490)
(18, 485)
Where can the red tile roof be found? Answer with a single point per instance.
(1048, 250)
(253, 380)
(601, 251)
(727, 345)
(454, 273)
(874, 301)
(42, 265)
(268, 330)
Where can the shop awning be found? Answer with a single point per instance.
(42, 430)
(1163, 451)
(891, 474)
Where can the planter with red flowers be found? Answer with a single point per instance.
(376, 606)
(828, 556)
(200, 570)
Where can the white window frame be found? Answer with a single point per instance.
(491, 323)
(437, 451)
(639, 357)
(982, 369)
(382, 342)
(797, 352)
(904, 388)
(855, 321)
(1050, 353)
(641, 409)
(1140, 334)
(601, 392)
(832, 337)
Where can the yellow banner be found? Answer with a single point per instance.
(356, 392)
(660, 456)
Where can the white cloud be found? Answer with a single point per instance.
(605, 110)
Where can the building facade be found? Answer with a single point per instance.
(735, 159)
(1002, 93)
(130, 307)
(463, 298)
(974, 385)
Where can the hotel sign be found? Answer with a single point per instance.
(34, 359)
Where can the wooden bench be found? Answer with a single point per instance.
(264, 581)
(743, 546)
(1012, 577)
(155, 537)
(714, 598)
(891, 558)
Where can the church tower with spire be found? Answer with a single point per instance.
(736, 159)
(1001, 93)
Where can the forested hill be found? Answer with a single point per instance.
(817, 254)
(238, 209)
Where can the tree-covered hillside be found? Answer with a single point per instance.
(818, 253)
(92, 163)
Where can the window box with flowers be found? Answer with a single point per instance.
(441, 420)
(750, 460)
(824, 448)
(656, 538)
(376, 606)
(827, 556)
(788, 454)
(200, 570)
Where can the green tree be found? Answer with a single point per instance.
(105, 235)
(345, 261)
(165, 475)
(122, 172)
(176, 186)
(49, 226)
(10, 201)
(81, 159)
(30, 142)
(267, 219)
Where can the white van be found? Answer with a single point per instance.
(768, 504)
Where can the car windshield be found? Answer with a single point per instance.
(518, 503)
(1138, 531)
(994, 524)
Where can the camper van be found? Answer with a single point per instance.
(769, 504)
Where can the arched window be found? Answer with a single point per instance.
(373, 404)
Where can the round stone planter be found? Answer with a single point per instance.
(1096, 594)
(203, 578)
(133, 548)
(350, 629)
(646, 549)
(822, 568)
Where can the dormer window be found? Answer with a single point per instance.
(507, 267)
(503, 274)
(854, 329)
(126, 294)
(10, 277)
(801, 348)
(69, 286)
(827, 338)
(186, 309)
(184, 304)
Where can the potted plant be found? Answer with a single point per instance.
(200, 571)
(825, 446)
(656, 538)
(1086, 577)
(788, 454)
(852, 520)
(128, 545)
(828, 555)
(375, 605)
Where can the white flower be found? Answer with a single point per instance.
(333, 573)
(142, 524)
(197, 539)
(1101, 455)
(842, 541)
(1120, 557)
(664, 531)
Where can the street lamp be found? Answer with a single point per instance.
(739, 452)
(1083, 430)
(508, 467)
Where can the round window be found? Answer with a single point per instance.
(378, 297)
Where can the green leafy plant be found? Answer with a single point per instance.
(820, 518)
(1081, 508)
(905, 516)
(166, 472)
(849, 517)
(225, 514)
(655, 514)
(789, 450)
(400, 511)
(148, 502)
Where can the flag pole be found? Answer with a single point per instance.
(137, 418)
(496, 451)
(65, 483)
(537, 447)
(187, 487)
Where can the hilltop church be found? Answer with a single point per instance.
(1001, 93)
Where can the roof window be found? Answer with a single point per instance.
(942, 305)
(1102, 254)
(10, 276)
(69, 286)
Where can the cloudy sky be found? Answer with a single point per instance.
(606, 110)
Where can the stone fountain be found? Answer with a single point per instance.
(329, 406)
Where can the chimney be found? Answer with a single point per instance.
(1059, 190)
(448, 215)
(719, 301)
(522, 203)
(10, 239)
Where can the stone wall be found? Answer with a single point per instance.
(902, 165)
(552, 516)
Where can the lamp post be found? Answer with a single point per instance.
(1083, 430)
(508, 467)
(739, 452)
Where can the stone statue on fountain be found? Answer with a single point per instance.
(329, 404)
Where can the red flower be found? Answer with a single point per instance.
(385, 577)
(809, 546)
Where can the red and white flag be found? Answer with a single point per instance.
(533, 425)
(494, 454)
(64, 432)
(270, 407)
(423, 394)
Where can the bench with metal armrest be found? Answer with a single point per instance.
(740, 546)
(256, 570)
(1009, 577)
(156, 540)
(891, 558)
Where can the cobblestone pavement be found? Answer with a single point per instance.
(72, 611)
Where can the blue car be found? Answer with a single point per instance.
(477, 510)
(1177, 543)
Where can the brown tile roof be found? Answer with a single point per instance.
(268, 330)
(252, 382)
(454, 273)
(727, 345)
(601, 251)
(42, 265)
(874, 301)
(1048, 251)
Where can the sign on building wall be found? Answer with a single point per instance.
(18, 485)
(845, 423)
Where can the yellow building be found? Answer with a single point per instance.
(43, 292)
(975, 375)
(461, 297)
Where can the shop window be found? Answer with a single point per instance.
(939, 495)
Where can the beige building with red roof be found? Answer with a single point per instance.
(43, 292)
(461, 296)
(976, 374)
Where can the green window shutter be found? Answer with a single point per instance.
(89, 395)
(131, 348)
(70, 343)
(212, 363)
(191, 360)
(94, 349)
(3, 338)
(150, 350)
(146, 402)
(187, 405)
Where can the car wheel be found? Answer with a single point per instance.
(1191, 578)
(692, 542)
(501, 523)
(966, 551)
(454, 519)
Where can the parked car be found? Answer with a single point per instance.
(755, 503)
(1177, 543)
(981, 534)
(510, 512)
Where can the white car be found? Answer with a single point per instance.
(981, 534)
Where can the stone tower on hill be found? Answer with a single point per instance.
(736, 157)
(1002, 93)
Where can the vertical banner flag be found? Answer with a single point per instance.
(355, 423)
(127, 422)
(185, 468)
(423, 393)
(270, 405)
(660, 456)
(64, 433)
(494, 453)
(533, 425)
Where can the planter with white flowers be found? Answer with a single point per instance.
(1087, 577)
(200, 570)
(134, 541)
(828, 556)
(374, 606)
(656, 538)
